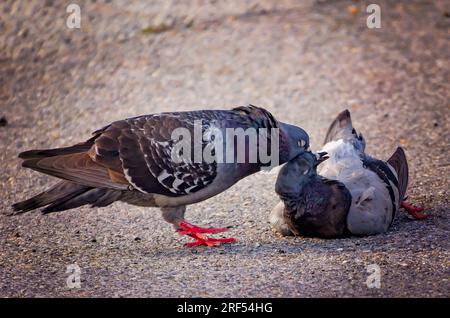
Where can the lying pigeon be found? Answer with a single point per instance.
(352, 194)
(132, 160)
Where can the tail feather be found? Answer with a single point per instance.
(400, 164)
(85, 181)
(96, 197)
(59, 192)
(67, 195)
(44, 153)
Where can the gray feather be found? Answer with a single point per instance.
(342, 128)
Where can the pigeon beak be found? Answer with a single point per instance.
(321, 157)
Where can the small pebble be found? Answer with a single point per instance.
(3, 121)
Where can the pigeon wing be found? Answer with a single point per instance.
(386, 175)
(142, 151)
(399, 163)
(342, 128)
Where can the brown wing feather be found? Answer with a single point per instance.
(77, 167)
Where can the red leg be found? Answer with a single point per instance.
(197, 229)
(196, 233)
(413, 210)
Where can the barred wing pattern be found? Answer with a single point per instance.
(140, 149)
(386, 175)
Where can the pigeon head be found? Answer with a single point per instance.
(314, 206)
(298, 172)
(311, 160)
(294, 141)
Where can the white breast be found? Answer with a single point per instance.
(371, 210)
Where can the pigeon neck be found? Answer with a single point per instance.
(283, 147)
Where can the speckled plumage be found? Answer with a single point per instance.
(132, 160)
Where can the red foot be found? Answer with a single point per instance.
(187, 228)
(413, 210)
(196, 233)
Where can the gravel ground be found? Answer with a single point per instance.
(304, 61)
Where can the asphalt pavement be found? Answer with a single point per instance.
(305, 61)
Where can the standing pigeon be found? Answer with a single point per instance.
(132, 160)
(353, 193)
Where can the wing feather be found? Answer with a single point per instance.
(342, 128)
(400, 164)
(139, 150)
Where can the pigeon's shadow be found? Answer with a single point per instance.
(287, 246)
(277, 245)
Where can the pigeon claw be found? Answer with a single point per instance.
(414, 211)
(196, 233)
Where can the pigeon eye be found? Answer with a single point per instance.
(301, 143)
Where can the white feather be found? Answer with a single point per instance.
(163, 175)
(371, 208)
